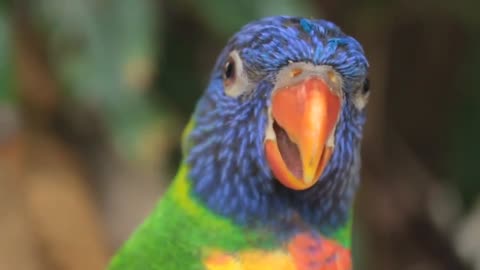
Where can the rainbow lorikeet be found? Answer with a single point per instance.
(270, 158)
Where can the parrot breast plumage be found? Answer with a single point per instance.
(271, 158)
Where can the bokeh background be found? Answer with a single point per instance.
(94, 95)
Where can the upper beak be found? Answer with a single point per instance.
(304, 119)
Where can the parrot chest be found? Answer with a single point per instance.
(304, 251)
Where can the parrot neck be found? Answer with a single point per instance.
(230, 176)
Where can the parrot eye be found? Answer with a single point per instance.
(229, 71)
(360, 97)
(235, 80)
(366, 86)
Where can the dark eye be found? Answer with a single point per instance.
(229, 71)
(366, 86)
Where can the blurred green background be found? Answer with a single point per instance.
(94, 95)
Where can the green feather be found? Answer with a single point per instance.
(343, 235)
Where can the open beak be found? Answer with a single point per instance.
(304, 118)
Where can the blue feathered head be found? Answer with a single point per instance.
(277, 131)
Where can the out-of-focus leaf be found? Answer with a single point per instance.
(4, 4)
(9, 113)
(105, 53)
(286, 7)
(226, 17)
(467, 11)
(466, 133)
(7, 94)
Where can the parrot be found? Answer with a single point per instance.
(270, 157)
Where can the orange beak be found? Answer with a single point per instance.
(305, 115)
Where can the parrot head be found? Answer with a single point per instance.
(278, 128)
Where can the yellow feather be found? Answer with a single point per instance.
(250, 260)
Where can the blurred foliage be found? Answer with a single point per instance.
(105, 52)
(466, 133)
(217, 15)
(7, 93)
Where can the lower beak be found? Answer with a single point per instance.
(304, 119)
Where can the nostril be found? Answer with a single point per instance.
(296, 71)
